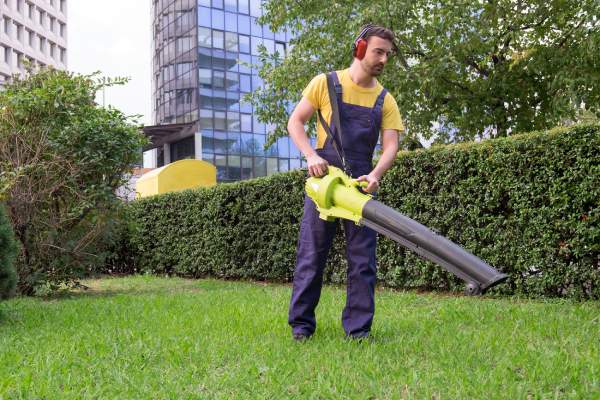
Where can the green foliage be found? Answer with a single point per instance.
(62, 157)
(529, 205)
(8, 252)
(471, 68)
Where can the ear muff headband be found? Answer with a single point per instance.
(359, 49)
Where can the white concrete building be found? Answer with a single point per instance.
(33, 31)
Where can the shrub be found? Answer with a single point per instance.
(8, 251)
(61, 157)
(529, 205)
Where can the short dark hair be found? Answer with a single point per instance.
(380, 31)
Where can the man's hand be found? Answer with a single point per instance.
(373, 181)
(317, 166)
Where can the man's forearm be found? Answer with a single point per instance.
(385, 162)
(299, 137)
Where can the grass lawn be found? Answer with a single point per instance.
(166, 338)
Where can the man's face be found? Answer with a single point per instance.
(378, 52)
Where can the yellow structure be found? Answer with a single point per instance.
(180, 175)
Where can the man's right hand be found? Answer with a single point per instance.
(317, 166)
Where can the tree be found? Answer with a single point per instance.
(61, 159)
(473, 68)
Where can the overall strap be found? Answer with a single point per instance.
(377, 110)
(334, 89)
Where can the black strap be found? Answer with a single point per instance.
(336, 140)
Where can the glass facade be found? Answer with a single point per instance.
(204, 50)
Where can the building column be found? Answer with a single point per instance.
(167, 153)
(198, 145)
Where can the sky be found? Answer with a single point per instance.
(113, 37)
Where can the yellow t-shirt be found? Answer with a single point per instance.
(316, 93)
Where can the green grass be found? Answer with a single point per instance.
(158, 338)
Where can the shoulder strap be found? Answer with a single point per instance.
(334, 88)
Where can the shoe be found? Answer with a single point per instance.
(300, 337)
(359, 337)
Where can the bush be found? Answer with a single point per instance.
(529, 205)
(61, 159)
(8, 251)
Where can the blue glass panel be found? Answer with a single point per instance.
(256, 29)
(204, 58)
(283, 146)
(268, 33)
(247, 144)
(204, 17)
(244, 43)
(217, 3)
(231, 61)
(244, 24)
(243, 7)
(284, 165)
(207, 141)
(204, 3)
(218, 19)
(246, 59)
(218, 59)
(231, 5)
(220, 142)
(280, 36)
(231, 22)
(245, 107)
(234, 142)
(294, 163)
(245, 83)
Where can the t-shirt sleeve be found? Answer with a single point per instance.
(391, 115)
(316, 91)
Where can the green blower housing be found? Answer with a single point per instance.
(336, 195)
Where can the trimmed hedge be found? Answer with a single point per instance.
(8, 253)
(529, 205)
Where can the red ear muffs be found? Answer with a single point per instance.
(360, 48)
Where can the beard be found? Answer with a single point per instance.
(374, 69)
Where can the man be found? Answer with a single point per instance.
(367, 112)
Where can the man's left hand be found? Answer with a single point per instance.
(372, 180)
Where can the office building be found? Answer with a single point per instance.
(202, 56)
(34, 32)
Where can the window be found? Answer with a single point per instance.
(20, 5)
(218, 79)
(245, 83)
(231, 41)
(42, 44)
(231, 5)
(41, 16)
(244, 24)
(204, 17)
(243, 7)
(217, 3)
(231, 22)
(280, 49)
(218, 19)
(255, 8)
(30, 9)
(52, 20)
(19, 30)
(246, 122)
(52, 49)
(204, 37)
(62, 29)
(218, 39)
(6, 24)
(63, 55)
(5, 52)
(205, 77)
(244, 43)
(30, 36)
(63, 6)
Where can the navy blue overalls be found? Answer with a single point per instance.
(360, 127)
